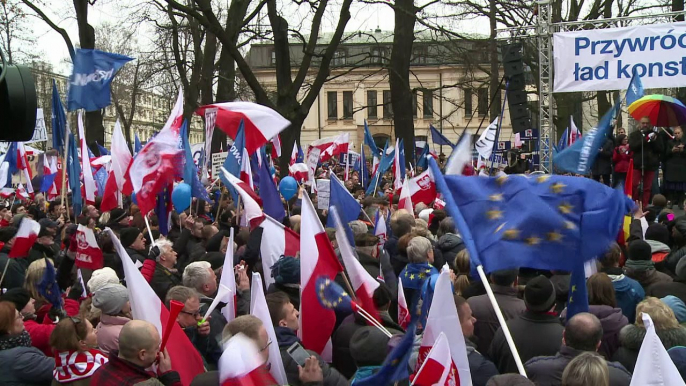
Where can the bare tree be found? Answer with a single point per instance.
(15, 33)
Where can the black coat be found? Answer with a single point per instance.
(676, 288)
(612, 320)
(112, 260)
(675, 166)
(480, 367)
(652, 151)
(40, 251)
(487, 323)
(398, 261)
(545, 327)
(135, 255)
(16, 271)
(603, 162)
(447, 247)
(164, 279)
(547, 371)
(631, 338)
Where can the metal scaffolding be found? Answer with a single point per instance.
(543, 31)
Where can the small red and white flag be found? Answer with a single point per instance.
(443, 319)
(88, 253)
(403, 310)
(6, 192)
(405, 200)
(276, 146)
(397, 169)
(436, 367)
(422, 188)
(331, 146)
(246, 170)
(121, 159)
(50, 168)
(261, 123)
(24, 167)
(26, 237)
(280, 241)
(22, 195)
(251, 201)
(362, 282)
(86, 172)
(316, 321)
(242, 365)
(294, 154)
(461, 155)
(299, 171)
(228, 279)
(145, 305)
(258, 308)
(375, 164)
(439, 204)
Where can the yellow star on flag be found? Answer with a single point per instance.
(511, 234)
(496, 197)
(412, 276)
(570, 225)
(494, 214)
(573, 288)
(501, 180)
(554, 236)
(565, 208)
(557, 187)
(543, 178)
(533, 240)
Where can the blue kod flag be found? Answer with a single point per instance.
(580, 156)
(635, 90)
(74, 173)
(89, 84)
(58, 119)
(543, 222)
(438, 138)
(369, 140)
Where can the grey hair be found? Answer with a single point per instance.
(447, 225)
(418, 249)
(180, 294)
(358, 227)
(197, 274)
(164, 245)
(420, 207)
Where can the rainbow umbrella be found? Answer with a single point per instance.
(663, 111)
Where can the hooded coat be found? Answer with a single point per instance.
(628, 292)
(647, 278)
(448, 246)
(631, 338)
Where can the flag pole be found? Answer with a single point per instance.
(219, 206)
(147, 226)
(501, 319)
(4, 271)
(64, 174)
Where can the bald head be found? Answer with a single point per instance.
(139, 342)
(583, 332)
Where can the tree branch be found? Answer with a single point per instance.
(61, 31)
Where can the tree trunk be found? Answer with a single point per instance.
(495, 66)
(399, 74)
(568, 104)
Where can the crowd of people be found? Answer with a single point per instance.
(90, 337)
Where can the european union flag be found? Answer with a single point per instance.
(89, 84)
(271, 200)
(635, 90)
(396, 365)
(48, 287)
(564, 139)
(578, 296)
(74, 172)
(438, 138)
(332, 296)
(544, 222)
(58, 119)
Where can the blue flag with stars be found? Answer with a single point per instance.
(543, 222)
(396, 365)
(578, 295)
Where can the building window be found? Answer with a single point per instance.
(419, 55)
(378, 55)
(414, 104)
(380, 140)
(347, 104)
(387, 107)
(372, 110)
(339, 58)
(273, 58)
(482, 105)
(428, 105)
(332, 104)
(468, 108)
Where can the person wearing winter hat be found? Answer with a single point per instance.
(678, 307)
(118, 219)
(537, 320)
(641, 267)
(113, 301)
(39, 332)
(368, 349)
(16, 270)
(100, 278)
(678, 355)
(133, 241)
(628, 292)
(286, 274)
(657, 236)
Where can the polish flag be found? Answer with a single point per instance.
(251, 201)
(405, 200)
(397, 169)
(145, 305)
(375, 164)
(362, 282)
(294, 154)
(403, 310)
(461, 155)
(277, 241)
(439, 204)
(50, 168)
(228, 279)
(86, 172)
(23, 165)
(88, 253)
(246, 170)
(6, 192)
(437, 365)
(331, 146)
(380, 228)
(316, 321)
(242, 365)
(276, 146)
(22, 195)
(157, 164)
(261, 123)
(299, 171)
(258, 308)
(443, 318)
(121, 159)
(422, 188)
(654, 365)
(26, 236)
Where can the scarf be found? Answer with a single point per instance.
(74, 365)
(640, 265)
(414, 274)
(11, 341)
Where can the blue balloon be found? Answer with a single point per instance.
(181, 197)
(288, 187)
(133, 198)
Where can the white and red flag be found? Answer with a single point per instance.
(242, 365)
(86, 172)
(316, 321)
(331, 146)
(276, 146)
(228, 279)
(299, 171)
(436, 367)
(294, 154)
(24, 167)
(88, 253)
(22, 194)
(26, 236)
(50, 169)
(443, 319)
(261, 123)
(403, 309)
(280, 241)
(145, 305)
(398, 169)
(246, 170)
(159, 162)
(362, 282)
(422, 188)
(6, 192)
(251, 201)
(405, 199)
(121, 159)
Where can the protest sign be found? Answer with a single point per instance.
(40, 133)
(323, 194)
(312, 161)
(217, 162)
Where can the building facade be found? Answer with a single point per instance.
(451, 87)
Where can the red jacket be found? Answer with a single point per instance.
(118, 372)
(71, 306)
(40, 335)
(621, 157)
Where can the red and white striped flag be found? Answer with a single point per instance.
(436, 367)
(294, 154)
(316, 321)
(397, 169)
(228, 279)
(86, 172)
(422, 188)
(88, 253)
(246, 170)
(299, 171)
(251, 201)
(22, 195)
(6, 192)
(145, 305)
(242, 365)
(403, 310)
(116, 179)
(26, 236)
(24, 167)
(280, 241)
(405, 200)
(276, 146)
(331, 146)
(258, 308)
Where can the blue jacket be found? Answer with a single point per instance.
(628, 292)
